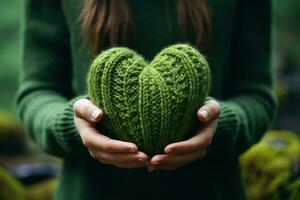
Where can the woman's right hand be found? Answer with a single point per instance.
(106, 150)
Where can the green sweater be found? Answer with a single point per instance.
(55, 65)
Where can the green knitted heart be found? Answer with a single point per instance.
(149, 104)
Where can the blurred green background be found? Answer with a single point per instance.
(10, 51)
(271, 168)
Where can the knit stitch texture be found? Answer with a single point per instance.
(149, 104)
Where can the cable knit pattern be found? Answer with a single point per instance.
(149, 104)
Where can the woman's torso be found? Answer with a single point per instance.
(156, 27)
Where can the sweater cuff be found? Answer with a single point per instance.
(225, 138)
(64, 128)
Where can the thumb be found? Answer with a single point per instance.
(209, 111)
(84, 108)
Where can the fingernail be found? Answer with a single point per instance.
(204, 114)
(168, 150)
(95, 114)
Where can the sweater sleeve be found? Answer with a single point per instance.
(248, 105)
(45, 97)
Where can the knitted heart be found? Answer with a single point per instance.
(149, 104)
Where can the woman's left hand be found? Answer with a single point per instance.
(184, 152)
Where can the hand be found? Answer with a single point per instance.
(106, 150)
(184, 152)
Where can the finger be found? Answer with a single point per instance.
(139, 157)
(94, 140)
(201, 140)
(169, 158)
(173, 161)
(209, 111)
(85, 109)
(121, 158)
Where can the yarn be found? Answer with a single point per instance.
(150, 104)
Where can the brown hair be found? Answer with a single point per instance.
(110, 22)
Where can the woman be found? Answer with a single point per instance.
(62, 37)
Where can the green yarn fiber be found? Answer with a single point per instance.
(149, 104)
